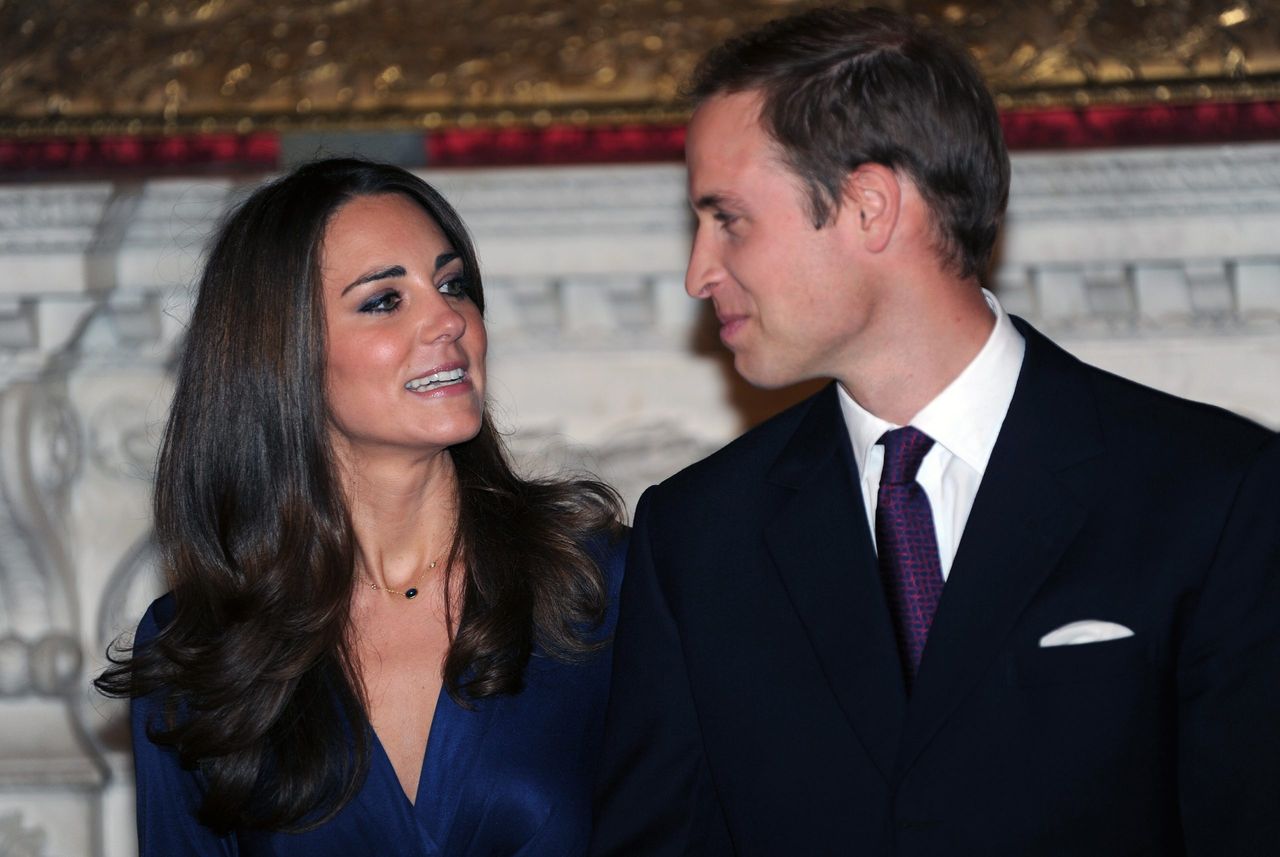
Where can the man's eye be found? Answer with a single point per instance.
(385, 302)
(455, 287)
(726, 219)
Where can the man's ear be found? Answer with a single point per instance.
(873, 203)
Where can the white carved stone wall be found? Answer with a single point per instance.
(1163, 265)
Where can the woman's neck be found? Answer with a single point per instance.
(403, 515)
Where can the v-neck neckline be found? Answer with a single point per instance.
(441, 697)
(453, 743)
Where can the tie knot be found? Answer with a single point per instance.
(904, 449)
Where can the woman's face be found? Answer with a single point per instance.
(406, 347)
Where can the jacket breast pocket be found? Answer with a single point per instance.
(1083, 663)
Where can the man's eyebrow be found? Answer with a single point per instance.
(709, 200)
(379, 274)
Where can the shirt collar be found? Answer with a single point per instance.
(965, 418)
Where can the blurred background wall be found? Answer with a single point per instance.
(1142, 234)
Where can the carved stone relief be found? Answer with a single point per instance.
(44, 749)
(39, 461)
(18, 840)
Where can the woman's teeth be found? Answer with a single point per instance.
(436, 380)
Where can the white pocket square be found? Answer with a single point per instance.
(1084, 631)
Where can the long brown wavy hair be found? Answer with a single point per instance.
(256, 668)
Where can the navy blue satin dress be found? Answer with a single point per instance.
(511, 777)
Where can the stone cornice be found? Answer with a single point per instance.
(588, 256)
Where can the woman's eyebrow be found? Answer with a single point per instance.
(395, 271)
(379, 274)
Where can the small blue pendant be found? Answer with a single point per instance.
(411, 593)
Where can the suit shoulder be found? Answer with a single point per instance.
(1173, 428)
(1148, 424)
(743, 460)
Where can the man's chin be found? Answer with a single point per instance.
(762, 376)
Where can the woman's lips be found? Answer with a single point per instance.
(449, 380)
(454, 388)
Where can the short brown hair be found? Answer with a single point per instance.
(846, 87)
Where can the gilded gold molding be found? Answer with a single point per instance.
(147, 66)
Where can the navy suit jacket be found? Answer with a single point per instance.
(758, 706)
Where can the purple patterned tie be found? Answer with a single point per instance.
(907, 545)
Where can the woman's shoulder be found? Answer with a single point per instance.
(609, 550)
(158, 617)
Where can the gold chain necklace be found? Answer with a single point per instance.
(410, 593)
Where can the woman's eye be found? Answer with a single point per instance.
(385, 302)
(455, 287)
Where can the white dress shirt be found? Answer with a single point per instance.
(963, 420)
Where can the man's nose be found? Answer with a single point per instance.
(705, 270)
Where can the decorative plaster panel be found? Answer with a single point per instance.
(211, 65)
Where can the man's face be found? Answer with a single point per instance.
(790, 299)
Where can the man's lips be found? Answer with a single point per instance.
(730, 324)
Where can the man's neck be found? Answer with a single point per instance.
(923, 348)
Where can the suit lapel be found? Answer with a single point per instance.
(821, 547)
(1023, 518)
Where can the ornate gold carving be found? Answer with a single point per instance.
(142, 66)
